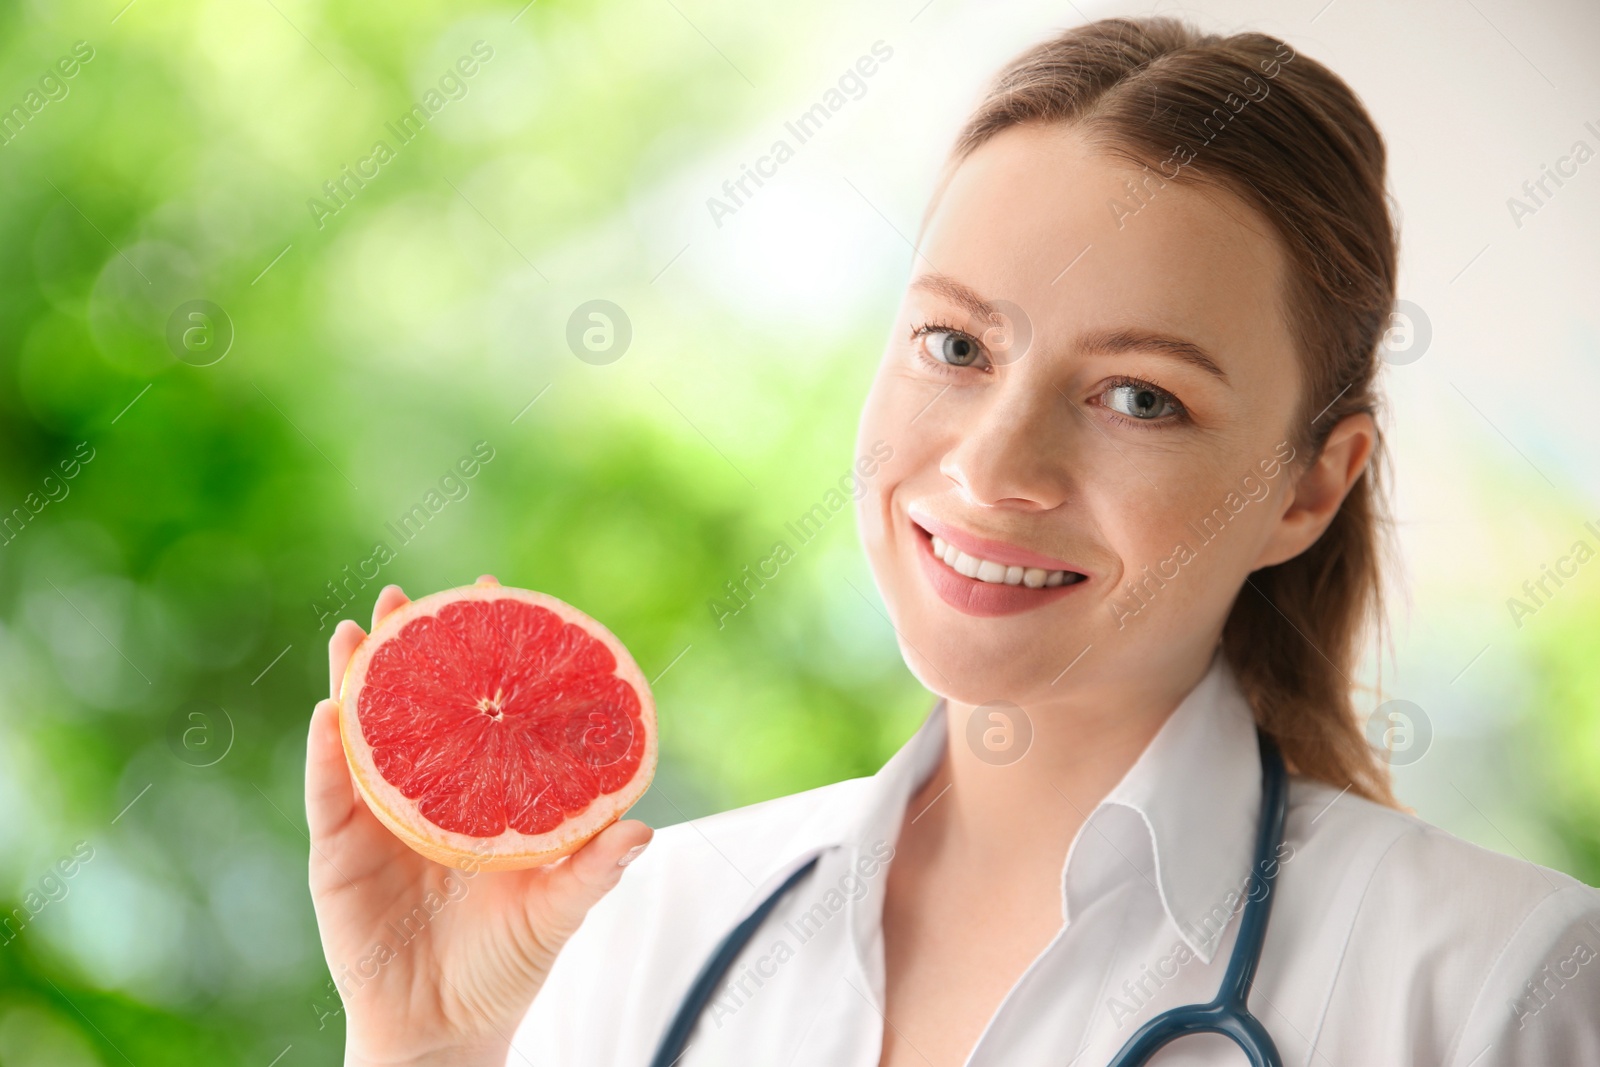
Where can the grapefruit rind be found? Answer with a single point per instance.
(509, 850)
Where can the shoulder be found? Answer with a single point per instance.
(746, 841)
(1475, 942)
(702, 870)
(1419, 867)
(641, 946)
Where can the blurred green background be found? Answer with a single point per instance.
(188, 512)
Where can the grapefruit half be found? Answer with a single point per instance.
(496, 728)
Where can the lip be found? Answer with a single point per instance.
(985, 599)
(998, 551)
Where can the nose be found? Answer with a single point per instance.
(1013, 447)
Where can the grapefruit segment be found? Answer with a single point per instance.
(493, 728)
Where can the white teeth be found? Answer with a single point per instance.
(998, 573)
(994, 573)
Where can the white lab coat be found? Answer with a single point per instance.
(1390, 941)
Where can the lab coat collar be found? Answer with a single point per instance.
(1196, 788)
(860, 815)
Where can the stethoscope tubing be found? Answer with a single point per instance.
(1227, 1013)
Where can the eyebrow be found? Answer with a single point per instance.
(1113, 342)
(957, 293)
(1107, 342)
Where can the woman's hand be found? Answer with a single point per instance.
(451, 989)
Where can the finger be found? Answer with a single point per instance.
(387, 601)
(341, 646)
(591, 872)
(488, 579)
(330, 796)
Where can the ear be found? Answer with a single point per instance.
(1320, 489)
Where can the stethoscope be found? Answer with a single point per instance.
(1227, 1013)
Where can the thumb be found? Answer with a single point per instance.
(578, 882)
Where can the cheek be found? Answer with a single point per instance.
(889, 421)
(1204, 536)
(893, 403)
(877, 424)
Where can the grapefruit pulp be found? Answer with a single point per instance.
(495, 728)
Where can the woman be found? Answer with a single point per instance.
(1129, 523)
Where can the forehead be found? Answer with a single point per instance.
(1082, 240)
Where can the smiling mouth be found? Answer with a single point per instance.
(999, 573)
(991, 572)
(985, 570)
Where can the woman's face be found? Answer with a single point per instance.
(1127, 418)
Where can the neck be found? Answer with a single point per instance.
(1004, 802)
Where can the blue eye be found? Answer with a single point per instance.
(951, 346)
(1142, 401)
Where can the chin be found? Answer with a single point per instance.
(968, 674)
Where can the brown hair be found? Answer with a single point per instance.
(1285, 135)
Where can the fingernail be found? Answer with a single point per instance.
(631, 855)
